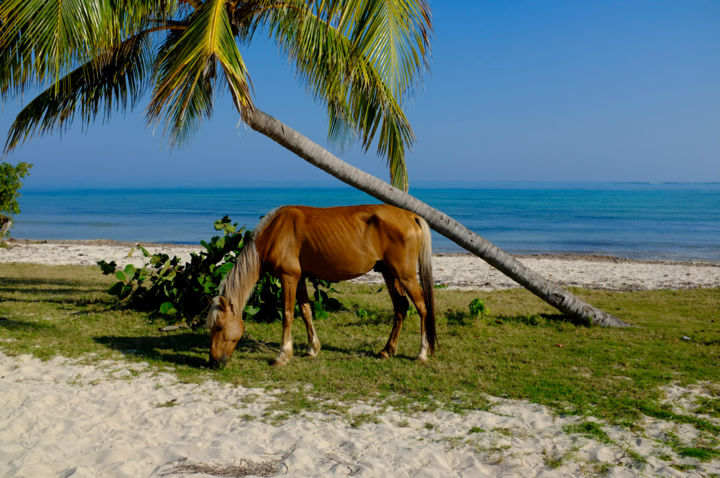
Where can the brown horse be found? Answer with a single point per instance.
(339, 243)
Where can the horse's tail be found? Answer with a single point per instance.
(240, 282)
(426, 281)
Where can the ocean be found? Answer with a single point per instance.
(632, 220)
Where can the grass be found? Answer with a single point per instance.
(590, 430)
(709, 407)
(525, 350)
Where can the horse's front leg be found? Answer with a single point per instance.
(289, 286)
(306, 309)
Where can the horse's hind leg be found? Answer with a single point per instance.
(306, 309)
(289, 286)
(413, 289)
(400, 306)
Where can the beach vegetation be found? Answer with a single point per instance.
(703, 448)
(362, 60)
(553, 460)
(174, 290)
(10, 184)
(589, 429)
(478, 309)
(702, 454)
(709, 406)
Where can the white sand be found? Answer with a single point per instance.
(65, 419)
(62, 418)
(456, 270)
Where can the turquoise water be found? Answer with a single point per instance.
(644, 221)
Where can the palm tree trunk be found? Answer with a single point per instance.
(440, 222)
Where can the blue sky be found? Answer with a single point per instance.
(517, 91)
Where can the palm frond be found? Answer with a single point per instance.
(186, 71)
(394, 35)
(114, 80)
(343, 76)
(42, 41)
(121, 19)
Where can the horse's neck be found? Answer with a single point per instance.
(260, 243)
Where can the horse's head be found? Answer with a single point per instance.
(226, 328)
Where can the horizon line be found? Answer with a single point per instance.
(420, 184)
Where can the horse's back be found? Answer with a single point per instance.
(338, 243)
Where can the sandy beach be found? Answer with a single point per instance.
(69, 418)
(461, 271)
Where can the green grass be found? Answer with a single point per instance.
(709, 407)
(525, 350)
(702, 454)
(590, 430)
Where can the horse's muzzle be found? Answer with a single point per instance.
(215, 364)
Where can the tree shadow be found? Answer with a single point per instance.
(457, 317)
(50, 292)
(58, 291)
(103, 303)
(11, 324)
(48, 287)
(541, 319)
(16, 282)
(187, 348)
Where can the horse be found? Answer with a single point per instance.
(335, 244)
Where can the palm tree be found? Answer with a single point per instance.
(359, 57)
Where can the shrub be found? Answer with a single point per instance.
(10, 183)
(478, 309)
(180, 291)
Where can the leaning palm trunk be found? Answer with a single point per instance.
(318, 156)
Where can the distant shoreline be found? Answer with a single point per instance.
(560, 255)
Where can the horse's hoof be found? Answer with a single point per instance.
(422, 360)
(278, 362)
(313, 351)
(383, 354)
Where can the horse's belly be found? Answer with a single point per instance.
(336, 266)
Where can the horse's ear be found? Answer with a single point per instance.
(223, 303)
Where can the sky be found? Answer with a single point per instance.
(517, 91)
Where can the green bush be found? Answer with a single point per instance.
(180, 291)
(478, 309)
(10, 183)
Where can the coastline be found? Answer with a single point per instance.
(454, 270)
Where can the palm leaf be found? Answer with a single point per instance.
(343, 76)
(114, 80)
(42, 41)
(185, 72)
(394, 35)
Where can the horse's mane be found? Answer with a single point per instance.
(237, 286)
